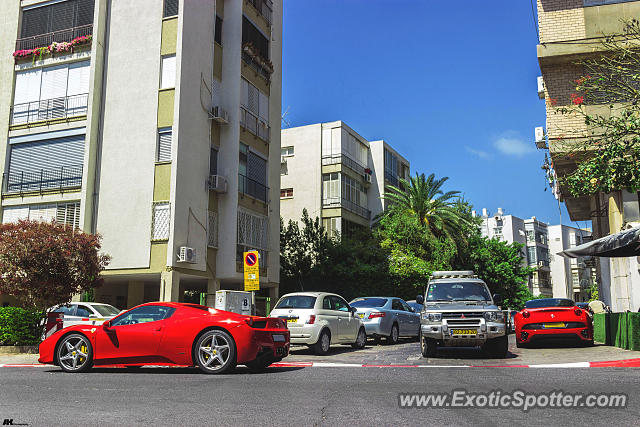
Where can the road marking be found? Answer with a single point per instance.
(563, 365)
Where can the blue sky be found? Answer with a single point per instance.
(450, 85)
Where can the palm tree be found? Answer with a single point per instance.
(423, 197)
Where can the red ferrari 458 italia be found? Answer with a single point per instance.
(169, 333)
(553, 318)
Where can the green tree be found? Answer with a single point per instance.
(43, 264)
(424, 198)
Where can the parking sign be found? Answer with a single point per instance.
(251, 271)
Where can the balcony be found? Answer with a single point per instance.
(256, 66)
(346, 204)
(335, 159)
(64, 178)
(41, 40)
(252, 188)
(49, 109)
(391, 178)
(255, 124)
(264, 8)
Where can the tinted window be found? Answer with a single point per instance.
(83, 311)
(405, 306)
(67, 310)
(458, 291)
(339, 304)
(549, 302)
(145, 314)
(297, 301)
(369, 302)
(106, 310)
(396, 305)
(326, 303)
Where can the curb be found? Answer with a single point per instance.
(628, 363)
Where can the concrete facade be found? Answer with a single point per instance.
(571, 278)
(337, 175)
(571, 30)
(211, 185)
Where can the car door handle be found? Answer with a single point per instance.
(158, 328)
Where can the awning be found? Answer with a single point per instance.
(623, 244)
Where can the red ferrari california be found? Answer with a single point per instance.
(553, 318)
(169, 333)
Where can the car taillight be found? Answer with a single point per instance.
(312, 319)
(375, 314)
(577, 311)
(526, 314)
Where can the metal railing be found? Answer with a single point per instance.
(336, 202)
(255, 124)
(57, 36)
(393, 179)
(264, 8)
(49, 109)
(65, 177)
(341, 158)
(252, 188)
(256, 66)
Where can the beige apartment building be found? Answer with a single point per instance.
(571, 30)
(337, 175)
(155, 123)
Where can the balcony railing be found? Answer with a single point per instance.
(256, 66)
(57, 36)
(341, 158)
(252, 188)
(264, 8)
(336, 202)
(49, 109)
(255, 124)
(393, 179)
(64, 178)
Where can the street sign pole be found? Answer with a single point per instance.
(251, 275)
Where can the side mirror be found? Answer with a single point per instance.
(353, 309)
(413, 310)
(420, 299)
(107, 326)
(497, 299)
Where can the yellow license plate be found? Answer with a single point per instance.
(554, 325)
(361, 315)
(464, 331)
(292, 320)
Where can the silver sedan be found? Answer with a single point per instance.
(387, 317)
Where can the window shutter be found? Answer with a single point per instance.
(168, 79)
(14, 214)
(161, 220)
(170, 8)
(253, 99)
(27, 86)
(45, 213)
(244, 98)
(165, 139)
(54, 82)
(84, 12)
(257, 168)
(35, 22)
(68, 214)
(78, 78)
(264, 107)
(62, 16)
(51, 154)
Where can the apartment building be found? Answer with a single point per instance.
(571, 277)
(571, 30)
(531, 233)
(155, 123)
(337, 175)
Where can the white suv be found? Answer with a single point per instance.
(319, 319)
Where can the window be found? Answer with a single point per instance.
(83, 311)
(530, 236)
(396, 305)
(170, 8)
(497, 231)
(253, 230)
(252, 174)
(212, 230)
(331, 226)
(218, 31)
(51, 93)
(55, 17)
(338, 303)
(286, 151)
(390, 167)
(254, 101)
(331, 188)
(284, 169)
(168, 72)
(144, 314)
(251, 34)
(61, 213)
(531, 255)
(67, 310)
(213, 161)
(326, 303)
(165, 138)
(286, 192)
(296, 301)
(160, 221)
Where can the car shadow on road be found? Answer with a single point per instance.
(468, 353)
(334, 350)
(240, 370)
(560, 344)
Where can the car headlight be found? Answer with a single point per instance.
(494, 316)
(432, 317)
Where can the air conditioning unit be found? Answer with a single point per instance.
(217, 183)
(540, 87)
(187, 254)
(540, 138)
(367, 178)
(219, 114)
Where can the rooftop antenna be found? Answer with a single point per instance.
(285, 123)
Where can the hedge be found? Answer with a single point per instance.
(19, 326)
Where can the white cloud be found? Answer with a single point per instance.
(511, 143)
(479, 153)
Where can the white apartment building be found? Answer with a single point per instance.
(337, 175)
(571, 277)
(155, 123)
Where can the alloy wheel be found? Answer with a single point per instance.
(73, 353)
(214, 351)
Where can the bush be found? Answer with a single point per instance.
(19, 326)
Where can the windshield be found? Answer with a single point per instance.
(296, 301)
(458, 291)
(369, 302)
(106, 310)
(549, 302)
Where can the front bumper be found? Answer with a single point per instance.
(442, 332)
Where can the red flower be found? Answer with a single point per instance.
(578, 100)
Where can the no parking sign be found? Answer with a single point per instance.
(251, 271)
